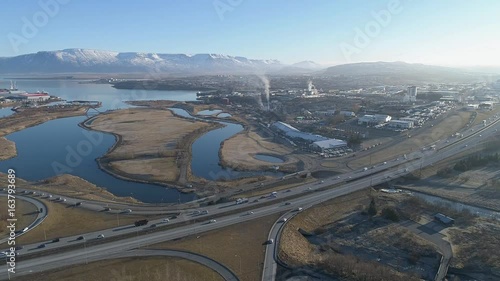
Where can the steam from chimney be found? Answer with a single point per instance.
(266, 88)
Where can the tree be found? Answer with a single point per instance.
(372, 208)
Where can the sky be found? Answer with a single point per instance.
(328, 32)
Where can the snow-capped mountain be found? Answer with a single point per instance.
(98, 61)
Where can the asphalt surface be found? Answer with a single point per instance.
(39, 218)
(351, 182)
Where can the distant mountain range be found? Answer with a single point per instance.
(385, 72)
(81, 61)
(97, 61)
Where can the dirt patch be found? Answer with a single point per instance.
(239, 244)
(125, 269)
(7, 149)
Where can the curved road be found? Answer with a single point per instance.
(39, 218)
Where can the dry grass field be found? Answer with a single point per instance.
(24, 215)
(64, 220)
(130, 269)
(444, 129)
(151, 140)
(238, 152)
(234, 245)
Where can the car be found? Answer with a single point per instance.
(107, 209)
(41, 246)
(19, 248)
(196, 212)
(288, 190)
(284, 220)
(153, 225)
(80, 238)
(166, 220)
(173, 217)
(212, 221)
(322, 181)
(204, 212)
(384, 163)
(56, 240)
(338, 177)
(299, 209)
(78, 203)
(250, 213)
(64, 200)
(270, 241)
(50, 196)
(100, 236)
(288, 203)
(128, 211)
(25, 229)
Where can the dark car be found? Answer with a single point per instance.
(153, 225)
(78, 203)
(41, 246)
(80, 238)
(18, 248)
(55, 240)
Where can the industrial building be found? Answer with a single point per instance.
(328, 144)
(411, 94)
(294, 134)
(372, 120)
(444, 219)
(400, 124)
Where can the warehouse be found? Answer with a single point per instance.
(328, 144)
(400, 124)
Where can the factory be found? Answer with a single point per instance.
(328, 144)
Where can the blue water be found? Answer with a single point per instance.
(61, 146)
(44, 151)
(209, 112)
(205, 153)
(6, 111)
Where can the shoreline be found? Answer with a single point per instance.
(104, 164)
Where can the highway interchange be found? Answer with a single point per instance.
(231, 213)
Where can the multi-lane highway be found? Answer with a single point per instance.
(230, 213)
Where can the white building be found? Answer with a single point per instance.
(411, 94)
(376, 119)
(347, 113)
(328, 144)
(400, 124)
(293, 133)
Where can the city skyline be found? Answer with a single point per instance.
(448, 33)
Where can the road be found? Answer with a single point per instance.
(37, 221)
(310, 194)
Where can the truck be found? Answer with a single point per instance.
(141, 222)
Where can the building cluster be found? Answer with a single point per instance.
(13, 95)
(311, 141)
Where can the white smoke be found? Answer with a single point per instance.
(266, 88)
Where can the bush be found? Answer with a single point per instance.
(372, 208)
(390, 214)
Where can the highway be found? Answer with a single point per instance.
(310, 194)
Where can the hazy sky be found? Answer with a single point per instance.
(455, 33)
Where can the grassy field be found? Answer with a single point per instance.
(442, 130)
(7, 149)
(64, 220)
(143, 151)
(238, 152)
(24, 215)
(239, 244)
(130, 269)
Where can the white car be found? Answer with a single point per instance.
(100, 236)
(212, 221)
(166, 220)
(128, 211)
(299, 209)
(250, 213)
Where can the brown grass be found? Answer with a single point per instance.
(238, 152)
(150, 141)
(24, 214)
(230, 245)
(7, 149)
(130, 269)
(66, 221)
(442, 130)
